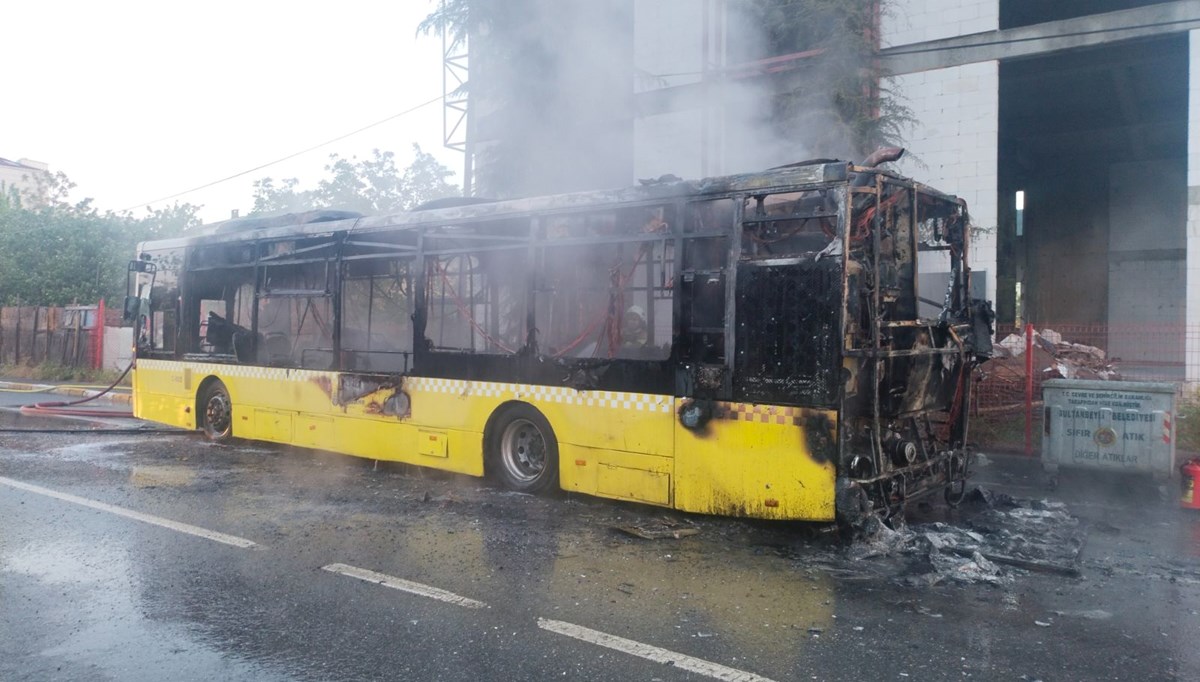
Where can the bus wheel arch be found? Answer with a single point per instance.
(520, 448)
(214, 410)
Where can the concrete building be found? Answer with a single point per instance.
(1085, 113)
(20, 175)
(1083, 110)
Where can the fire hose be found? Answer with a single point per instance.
(63, 408)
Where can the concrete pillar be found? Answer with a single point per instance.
(1192, 350)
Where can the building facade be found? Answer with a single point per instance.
(21, 175)
(1071, 128)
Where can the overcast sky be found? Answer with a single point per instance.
(140, 99)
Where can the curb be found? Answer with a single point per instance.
(124, 398)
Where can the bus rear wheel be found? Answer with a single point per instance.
(523, 450)
(217, 409)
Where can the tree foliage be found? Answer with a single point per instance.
(837, 105)
(371, 186)
(54, 252)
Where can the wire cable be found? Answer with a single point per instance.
(315, 147)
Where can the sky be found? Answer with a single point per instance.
(137, 100)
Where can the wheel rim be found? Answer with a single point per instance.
(218, 414)
(523, 450)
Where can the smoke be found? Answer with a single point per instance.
(551, 96)
(583, 95)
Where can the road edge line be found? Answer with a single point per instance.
(177, 526)
(403, 585)
(650, 652)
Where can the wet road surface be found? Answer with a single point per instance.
(362, 572)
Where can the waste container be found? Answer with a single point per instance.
(1119, 426)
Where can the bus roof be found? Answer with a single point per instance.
(647, 191)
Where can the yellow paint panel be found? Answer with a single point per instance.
(625, 446)
(272, 425)
(315, 432)
(432, 443)
(625, 483)
(619, 475)
(763, 470)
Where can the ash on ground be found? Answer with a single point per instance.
(994, 537)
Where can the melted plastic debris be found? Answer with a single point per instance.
(997, 536)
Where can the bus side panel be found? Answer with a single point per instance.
(617, 475)
(754, 461)
(627, 422)
(605, 420)
(159, 394)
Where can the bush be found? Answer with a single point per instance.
(59, 373)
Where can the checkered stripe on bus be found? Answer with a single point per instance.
(641, 402)
(238, 371)
(763, 414)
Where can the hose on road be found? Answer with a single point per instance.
(62, 408)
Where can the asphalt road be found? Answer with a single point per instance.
(155, 556)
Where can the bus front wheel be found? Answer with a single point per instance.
(523, 451)
(217, 409)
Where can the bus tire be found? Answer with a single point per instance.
(216, 410)
(522, 450)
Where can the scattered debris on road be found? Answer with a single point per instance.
(660, 530)
(997, 533)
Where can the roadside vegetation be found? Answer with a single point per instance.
(1187, 427)
(58, 373)
(55, 251)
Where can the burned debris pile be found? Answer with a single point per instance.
(997, 535)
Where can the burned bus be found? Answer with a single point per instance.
(751, 345)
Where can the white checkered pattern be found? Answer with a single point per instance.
(641, 402)
(241, 371)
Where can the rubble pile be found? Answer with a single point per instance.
(1054, 358)
(1000, 382)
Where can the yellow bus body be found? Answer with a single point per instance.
(749, 460)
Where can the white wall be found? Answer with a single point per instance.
(915, 21)
(668, 43)
(1193, 209)
(118, 347)
(953, 147)
(668, 51)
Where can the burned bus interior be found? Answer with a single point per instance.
(792, 287)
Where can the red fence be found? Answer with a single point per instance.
(1006, 400)
(70, 336)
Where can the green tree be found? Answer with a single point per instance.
(55, 252)
(372, 186)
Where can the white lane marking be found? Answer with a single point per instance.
(653, 653)
(404, 585)
(130, 514)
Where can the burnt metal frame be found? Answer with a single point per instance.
(409, 237)
(939, 469)
(339, 239)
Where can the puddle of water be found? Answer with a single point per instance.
(90, 452)
(97, 620)
(161, 476)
